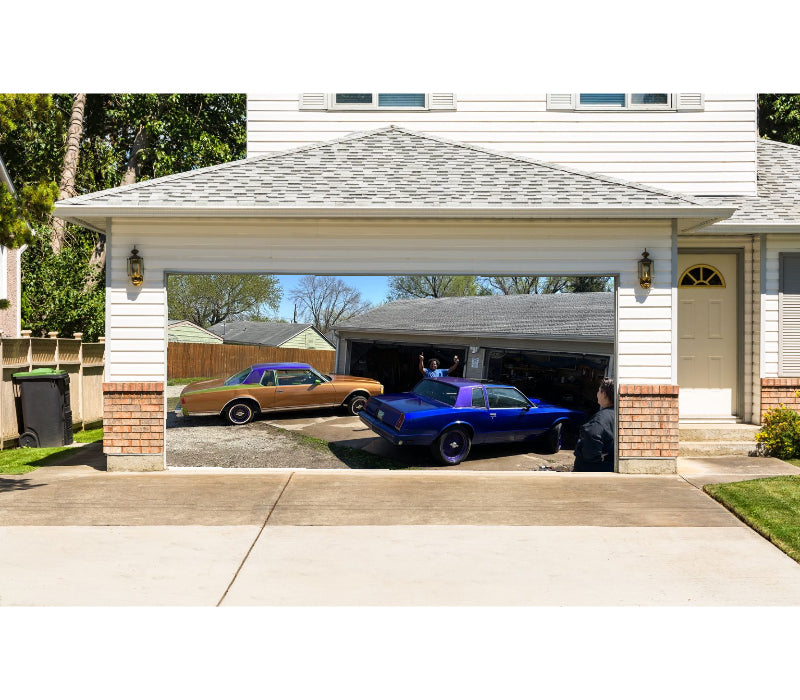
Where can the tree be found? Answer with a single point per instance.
(51, 300)
(124, 138)
(22, 146)
(779, 117)
(67, 186)
(326, 301)
(433, 286)
(545, 285)
(209, 299)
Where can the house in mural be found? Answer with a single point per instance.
(555, 347)
(553, 184)
(188, 332)
(272, 334)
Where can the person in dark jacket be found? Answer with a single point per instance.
(594, 451)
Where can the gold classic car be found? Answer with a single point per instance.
(275, 386)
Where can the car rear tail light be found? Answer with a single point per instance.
(399, 422)
(183, 400)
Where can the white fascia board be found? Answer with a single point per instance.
(768, 227)
(77, 214)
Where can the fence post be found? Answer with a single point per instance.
(79, 336)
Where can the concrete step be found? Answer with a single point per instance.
(707, 448)
(716, 432)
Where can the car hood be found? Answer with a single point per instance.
(350, 378)
(202, 386)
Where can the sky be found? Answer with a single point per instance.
(373, 289)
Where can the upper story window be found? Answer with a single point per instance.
(625, 101)
(378, 101)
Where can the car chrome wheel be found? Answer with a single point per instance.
(356, 405)
(452, 447)
(239, 413)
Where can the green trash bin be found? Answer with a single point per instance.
(46, 412)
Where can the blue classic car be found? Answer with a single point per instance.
(452, 414)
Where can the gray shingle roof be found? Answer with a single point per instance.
(778, 199)
(391, 167)
(589, 315)
(258, 332)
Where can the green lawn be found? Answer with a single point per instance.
(770, 506)
(26, 459)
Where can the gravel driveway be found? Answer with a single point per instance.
(204, 441)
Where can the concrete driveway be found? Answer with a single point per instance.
(76, 535)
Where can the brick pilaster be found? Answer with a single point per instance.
(133, 418)
(779, 390)
(648, 421)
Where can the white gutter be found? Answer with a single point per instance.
(769, 227)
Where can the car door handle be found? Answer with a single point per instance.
(493, 415)
(279, 391)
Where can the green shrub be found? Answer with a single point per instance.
(780, 433)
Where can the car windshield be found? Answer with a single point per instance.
(237, 378)
(438, 391)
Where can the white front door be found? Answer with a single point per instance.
(708, 362)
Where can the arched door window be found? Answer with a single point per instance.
(701, 276)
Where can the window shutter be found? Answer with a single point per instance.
(690, 102)
(441, 100)
(561, 101)
(789, 316)
(314, 100)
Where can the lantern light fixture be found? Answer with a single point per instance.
(135, 268)
(645, 271)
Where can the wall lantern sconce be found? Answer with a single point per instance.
(135, 268)
(645, 271)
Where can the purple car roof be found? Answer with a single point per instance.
(281, 365)
(461, 383)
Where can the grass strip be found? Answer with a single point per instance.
(25, 459)
(95, 435)
(351, 456)
(770, 506)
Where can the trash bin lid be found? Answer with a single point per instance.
(41, 373)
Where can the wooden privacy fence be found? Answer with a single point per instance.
(185, 360)
(83, 362)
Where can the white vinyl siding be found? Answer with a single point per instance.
(712, 151)
(789, 316)
(775, 245)
(135, 351)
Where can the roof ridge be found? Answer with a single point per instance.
(547, 164)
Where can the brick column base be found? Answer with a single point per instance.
(779, 390)
(133, 426)
(648, 428)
